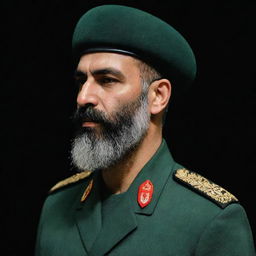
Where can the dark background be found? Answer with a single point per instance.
(211, 130)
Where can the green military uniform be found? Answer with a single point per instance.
(187, 215)
(184, 214)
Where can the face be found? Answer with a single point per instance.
(112, 113)
(107, 80)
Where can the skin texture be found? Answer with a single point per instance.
(108, 80)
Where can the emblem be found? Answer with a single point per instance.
(145, 193)
(87, 191)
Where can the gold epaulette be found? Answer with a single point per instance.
(205, 187)
(73, 179)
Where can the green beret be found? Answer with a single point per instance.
(126, 30)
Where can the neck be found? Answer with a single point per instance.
(118, 178)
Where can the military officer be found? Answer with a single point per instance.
(131, 197)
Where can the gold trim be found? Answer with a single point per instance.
(73, 179)
(202, 184)
(87, 191)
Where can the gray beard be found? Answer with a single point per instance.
(91, 151)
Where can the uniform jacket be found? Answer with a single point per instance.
(187, 216)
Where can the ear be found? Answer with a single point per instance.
(159, 95)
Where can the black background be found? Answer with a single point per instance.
(211, 130)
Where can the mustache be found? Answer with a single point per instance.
(89, 114)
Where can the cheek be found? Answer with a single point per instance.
(128, 93)
(123, 99)
(121, 95)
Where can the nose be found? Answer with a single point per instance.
(87, 95)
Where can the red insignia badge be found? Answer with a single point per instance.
(145, 193)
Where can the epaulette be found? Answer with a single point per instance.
(205, 187)
(70, 180)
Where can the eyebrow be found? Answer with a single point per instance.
(103, 71)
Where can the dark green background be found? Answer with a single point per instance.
(211, 130)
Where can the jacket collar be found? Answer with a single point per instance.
(157, 170)
(122, 219)
(88, 214)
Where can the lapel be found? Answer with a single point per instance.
(88, 214)
(118, 223)
(122, 220)
(97, 239)
(157, 170)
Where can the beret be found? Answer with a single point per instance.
(127, 30)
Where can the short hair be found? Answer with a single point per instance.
(148, 74)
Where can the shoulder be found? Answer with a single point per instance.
(206, 188)
(70, 180)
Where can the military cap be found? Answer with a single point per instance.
(127, 30)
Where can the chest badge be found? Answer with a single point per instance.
(145, 193)
(87, 191)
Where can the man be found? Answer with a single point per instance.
(131, 197)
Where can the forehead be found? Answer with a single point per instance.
(100, 60)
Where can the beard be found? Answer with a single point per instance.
(119, 134)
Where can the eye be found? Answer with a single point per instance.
(107, 80)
